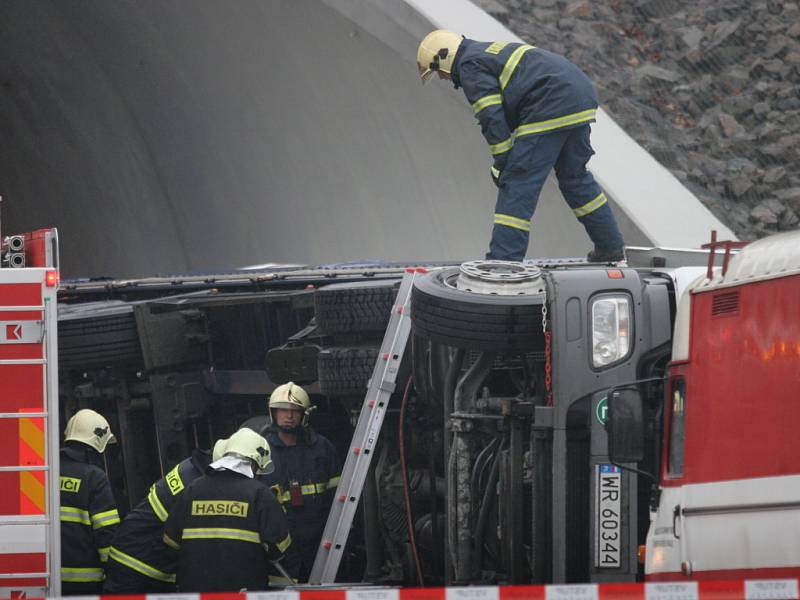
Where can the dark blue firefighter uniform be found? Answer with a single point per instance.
(313, 464)
(88, 520)
(139, 561)
(534, 108)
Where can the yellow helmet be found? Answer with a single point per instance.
(91, 428)
(436, 52)
(247, 444)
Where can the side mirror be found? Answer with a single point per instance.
(625, 426)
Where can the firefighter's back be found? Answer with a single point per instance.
(223, 525)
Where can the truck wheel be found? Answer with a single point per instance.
(355, 307)
(345, 371)
(490, 306)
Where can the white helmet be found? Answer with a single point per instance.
(90, 428)
(247, 444)
(436, 52)
(290, 396)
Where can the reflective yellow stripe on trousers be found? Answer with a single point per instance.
(140, 567)
(590, 206)
(509, 221)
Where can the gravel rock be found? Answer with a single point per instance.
(711, 88)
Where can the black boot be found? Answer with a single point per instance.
(606, 256)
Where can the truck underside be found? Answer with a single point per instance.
(501, 434)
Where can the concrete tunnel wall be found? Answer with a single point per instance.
(167, 136)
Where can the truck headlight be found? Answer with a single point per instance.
(611, 329)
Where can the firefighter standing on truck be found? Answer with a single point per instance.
(227, 525)
(305, 477)
(88, 511)
(534, 108)
(139, 561)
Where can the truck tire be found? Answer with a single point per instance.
(474, 321)
(98, 342)
(345, 371)
(355, 308)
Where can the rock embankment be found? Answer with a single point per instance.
(711, 88)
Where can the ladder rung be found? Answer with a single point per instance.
(22, 415)
(24, 468)
(24, 361)
(24, 520)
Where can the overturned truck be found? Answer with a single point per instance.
(492, 463)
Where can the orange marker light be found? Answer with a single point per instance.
(615, 274)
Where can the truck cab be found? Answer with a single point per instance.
(518, 362)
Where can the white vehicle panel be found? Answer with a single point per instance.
(730, 525)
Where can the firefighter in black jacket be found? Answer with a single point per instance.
(139, 561)
(88, 511)
(305, 477)
(226, 525)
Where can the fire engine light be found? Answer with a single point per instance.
(51, 279)
(610, 329)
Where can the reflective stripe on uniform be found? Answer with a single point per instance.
(104, 519)
(284, 543)
(511, 64)
(590, 206)
(496, 47)
(501, 147)
(550, 124)
(308, 489)
(495, 171)
(156, 505)
(281, 581)
(510, 221)
(140, 567)
(486, 101)
(81, 575)
(103, 552)
(221, 533)
(70, 514)
(170, 542)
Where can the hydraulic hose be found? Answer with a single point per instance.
(406, 492)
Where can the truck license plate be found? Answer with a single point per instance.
(608, 529)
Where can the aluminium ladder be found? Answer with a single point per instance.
(381, 386)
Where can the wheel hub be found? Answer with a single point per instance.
(500, 278)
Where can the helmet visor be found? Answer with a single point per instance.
(268, 470)
(425, 73)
